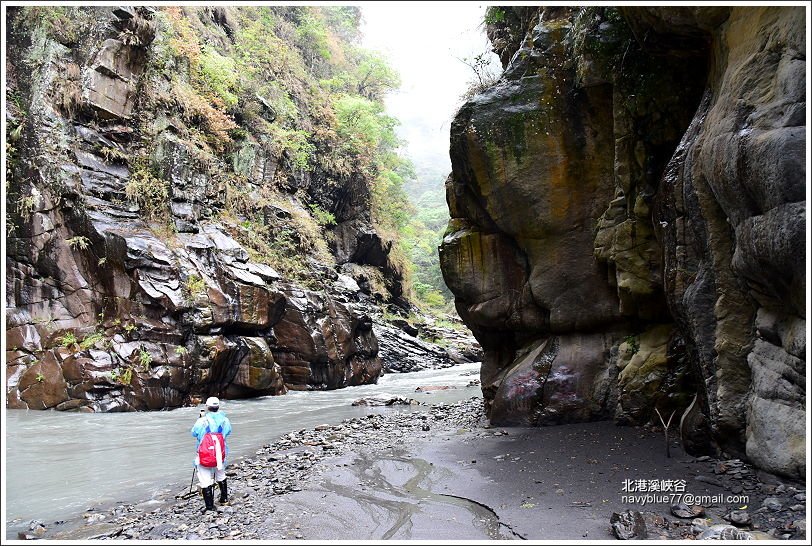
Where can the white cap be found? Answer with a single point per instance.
(212, 402)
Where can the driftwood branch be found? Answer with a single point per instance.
(665, 430)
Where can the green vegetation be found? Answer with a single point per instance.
(91, 340)
(633, 344)
(112, 155)
(25, 205)
(193, 287)
(68, 339)
(80, 241)
(290, 83)
(148, 191)
(64, 24)
(494, 14)
(144, 358)
(323, 218)
(124, 376)
(40, 378)
(422, 235)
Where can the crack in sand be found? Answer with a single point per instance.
(415, 498)
(491, 510)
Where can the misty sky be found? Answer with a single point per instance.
(423, 41)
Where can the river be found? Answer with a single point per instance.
(59, 464)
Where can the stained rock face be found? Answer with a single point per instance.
(617, 246)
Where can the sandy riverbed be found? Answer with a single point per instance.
(441, 473)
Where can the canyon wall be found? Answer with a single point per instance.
(627, 232)
(164, 241)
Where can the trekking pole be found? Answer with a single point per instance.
(194, 470)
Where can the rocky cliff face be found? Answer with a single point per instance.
(138, 245)
(628, 217)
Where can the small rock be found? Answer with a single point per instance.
(708, 480)
(628, 525)
(429, 388)
(725, 532)
(772, 503)
(721, 468)
(800, 497)
(740, 518)
(682, 510)
(699, 525)
(797, 507)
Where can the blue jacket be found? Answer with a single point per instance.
(213, 421)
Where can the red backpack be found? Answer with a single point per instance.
(210, 445)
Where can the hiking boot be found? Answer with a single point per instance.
(208, 498)
(223, 492)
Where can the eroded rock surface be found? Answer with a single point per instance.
(628, 219)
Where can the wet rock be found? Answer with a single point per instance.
(405, 326)
(385, 401)
(725, 532)
(772, 503)
(430, 388)
(628, 525)
(700, 525)
(739, 518)
(709, 480)
(682, 510)
(401, 352)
